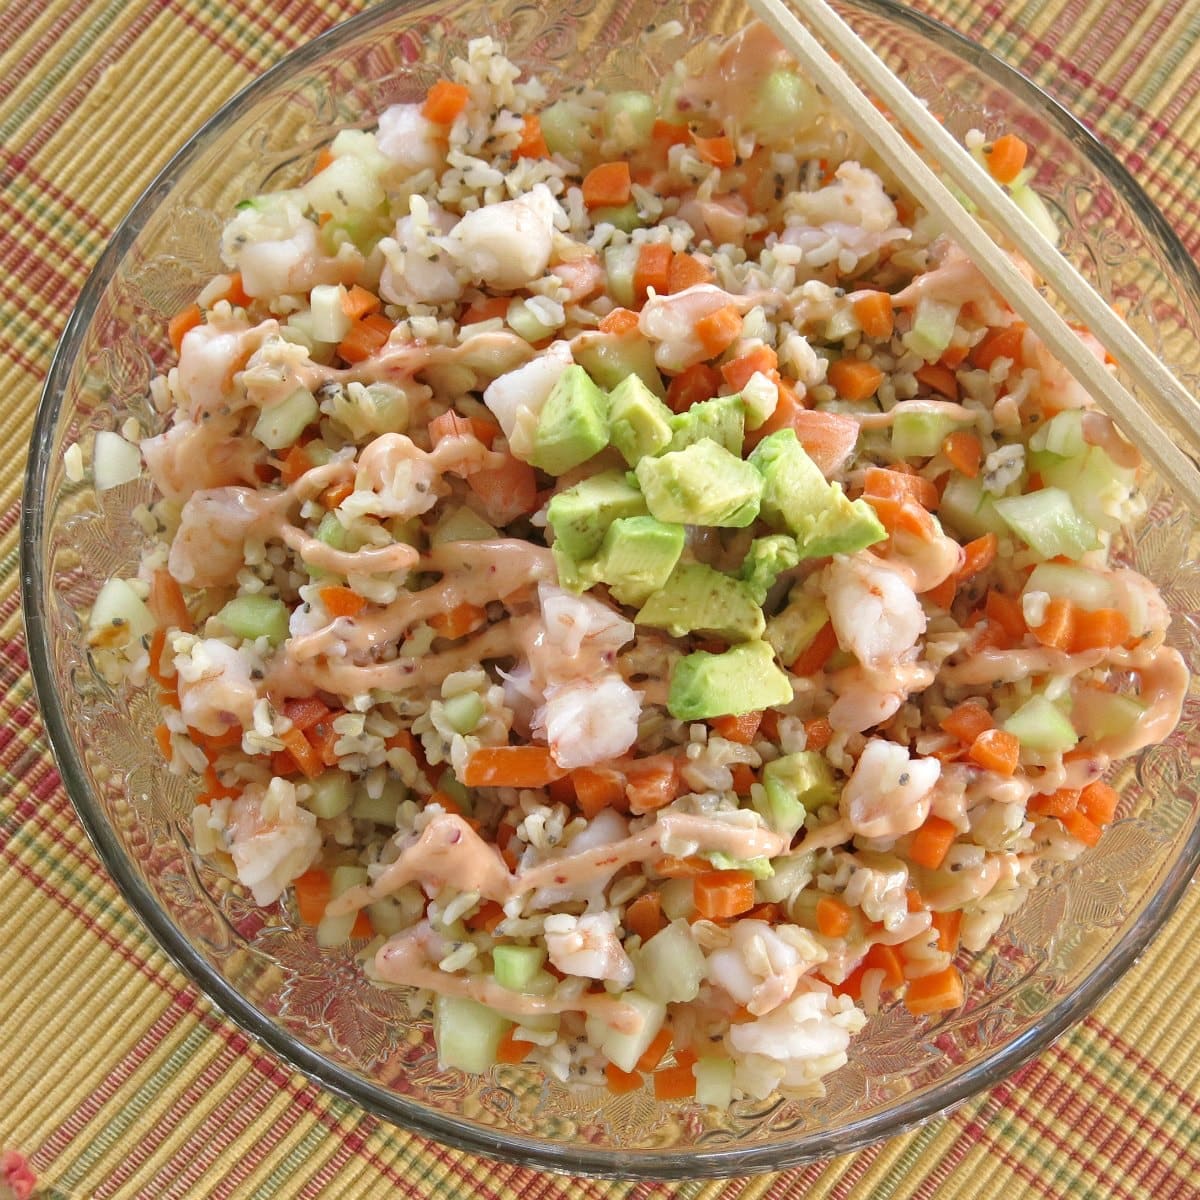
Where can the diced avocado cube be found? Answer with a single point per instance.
(610, 358)
(796, 496)
(466, 1033)
(573, 575)
(703, 484)
(573, 423)
(1041, 726)
(670, 965)
(698, 598)
(766, 558)
(723, 419)
(741, 680)
(639, 422)
(581, 515)
(793, 786)
(1047, 521)
(792, 630)
(637, 557)
(515, 966)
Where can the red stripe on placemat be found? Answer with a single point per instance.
(52, 288)
(1165, 12)
(796, 1181)
(17, 163)
(1145, 1066)
(215, 35)
(35, 56)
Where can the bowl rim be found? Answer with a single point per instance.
(561, 1157)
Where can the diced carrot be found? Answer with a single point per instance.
(686, 271)
(666, 134)
(324, 159)
(1057, 629)
(607, 185)
(166, 602)
(510, 1050)
(886, 959)
(899, 485)
(652, 269)
(533, 142)
(912, 900)
(619, 1082)
(967, 721)
(507, 491)
(671, 867)
(302, 752)
(236, 292)
(737, 372)
(306, 713)
(458, 621)
(719, 330)
(833, 917)
(214, 789)
(486, 917)
(817, 653)
(486, 309)
(445, 101)
(942, 594)
(1081, 828)
(719, 151)
(213, 743)
(854, 379)
(342, 601)
(743, 778)
(720, 894)
(598, 788)
(978, 555)
(674, 1083)
(1098, 802)
(644, 916)
(295, 463)
(365, 338)
(903, 516)
(1100, 629)
(362, 927)
(510, 766)
(1006, 612)
(162, 736)
(742, 728)
(651, 782)
(1006, 157)
(358, 303)
(452, 424)
(184, 320)
(769, 912)
(938, 992)
(852, 985)
(947, 925)
(965, 453)
(874, 313)
(653, 1054)
(995, 750)
(931, 843)
(954, 356)
(323, 738)
(158, 643)
(818, 733)
(1053, 804)
(619, 321)
(693, 385)
(939, 379)
(313, 890)
(1004, 342)
(335, 493)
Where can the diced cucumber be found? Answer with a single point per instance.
(628, 119)
(256, 616)
(1034, 207)
(328, 312)
(1040, 725)
(714, 1081)
(388, 916)
(1085, 589)
(346, 188)
(461, 525)
(609, 359)
(785, 103)
(1048, 523)
(1095, 484)
(119, 616)
(760, 868)
(670, 966)
(283, 423)
(516, 966)
(382, 808)
(969, 509)
(1062, 435)
(448, 783)
(467, 1033)
(565, 128)
(114, 460)
(626, 217)
(334, 931)
(524, 322)
(676, 897)
(620, 262)
(792, 872)
(1098, 714)
(332, 792)
(332, 532)
(920, 435)
(932, 328)
(624, 1049)
(541, 983)
(464, 711)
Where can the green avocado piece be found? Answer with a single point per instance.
(573, 424)
(638, 556)
(723, 419)
(791, 630)
(611, 358)
(581, 515)
(698, 598)
(765, 559)
(741, 680)
(797, 497)
(639, 422)
(793, 786)
(702, 484)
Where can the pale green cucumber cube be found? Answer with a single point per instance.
(332, 792)
(714, 1081)
(281, 424)
(335, 931)
(254, 616)
(464, 711)
(670, 966)
(467, 1033)
(1041, 726)
(624, 1049)
(1048, 523)
(516, 966)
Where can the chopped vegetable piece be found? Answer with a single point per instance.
(445, 101)
(719, 330)
(931, 842)
(995, 750)
(607, 185)
(721, 894)
(833, 917)
(184, 320)
(511, 766)
(874, 313)
(854, 379)
(938, 992)
(1006, 157)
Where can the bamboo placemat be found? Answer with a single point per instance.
(116, 1077)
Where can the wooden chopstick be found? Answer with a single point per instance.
(1148, 372)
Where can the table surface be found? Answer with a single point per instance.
(116, 1077)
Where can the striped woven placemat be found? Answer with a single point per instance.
(116, 1078)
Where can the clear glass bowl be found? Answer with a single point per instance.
(1049, 964)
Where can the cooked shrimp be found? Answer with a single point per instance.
(418, 267)
(924, 562)
(874, 611)
(762, 966)
(670, 321)
(588, 946)
(579, 635)
(856, 198)
(868, 695)
(210, 546)
(507, 245)
(409, 138)
(272, 840)
(589, 720)
(516, 398)
(582, 277)
(215, 689)
(722, 220)
(192, 457)
(888, 793)
(208, 358)
(401, 476)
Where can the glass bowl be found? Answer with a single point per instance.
(1050, 962)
